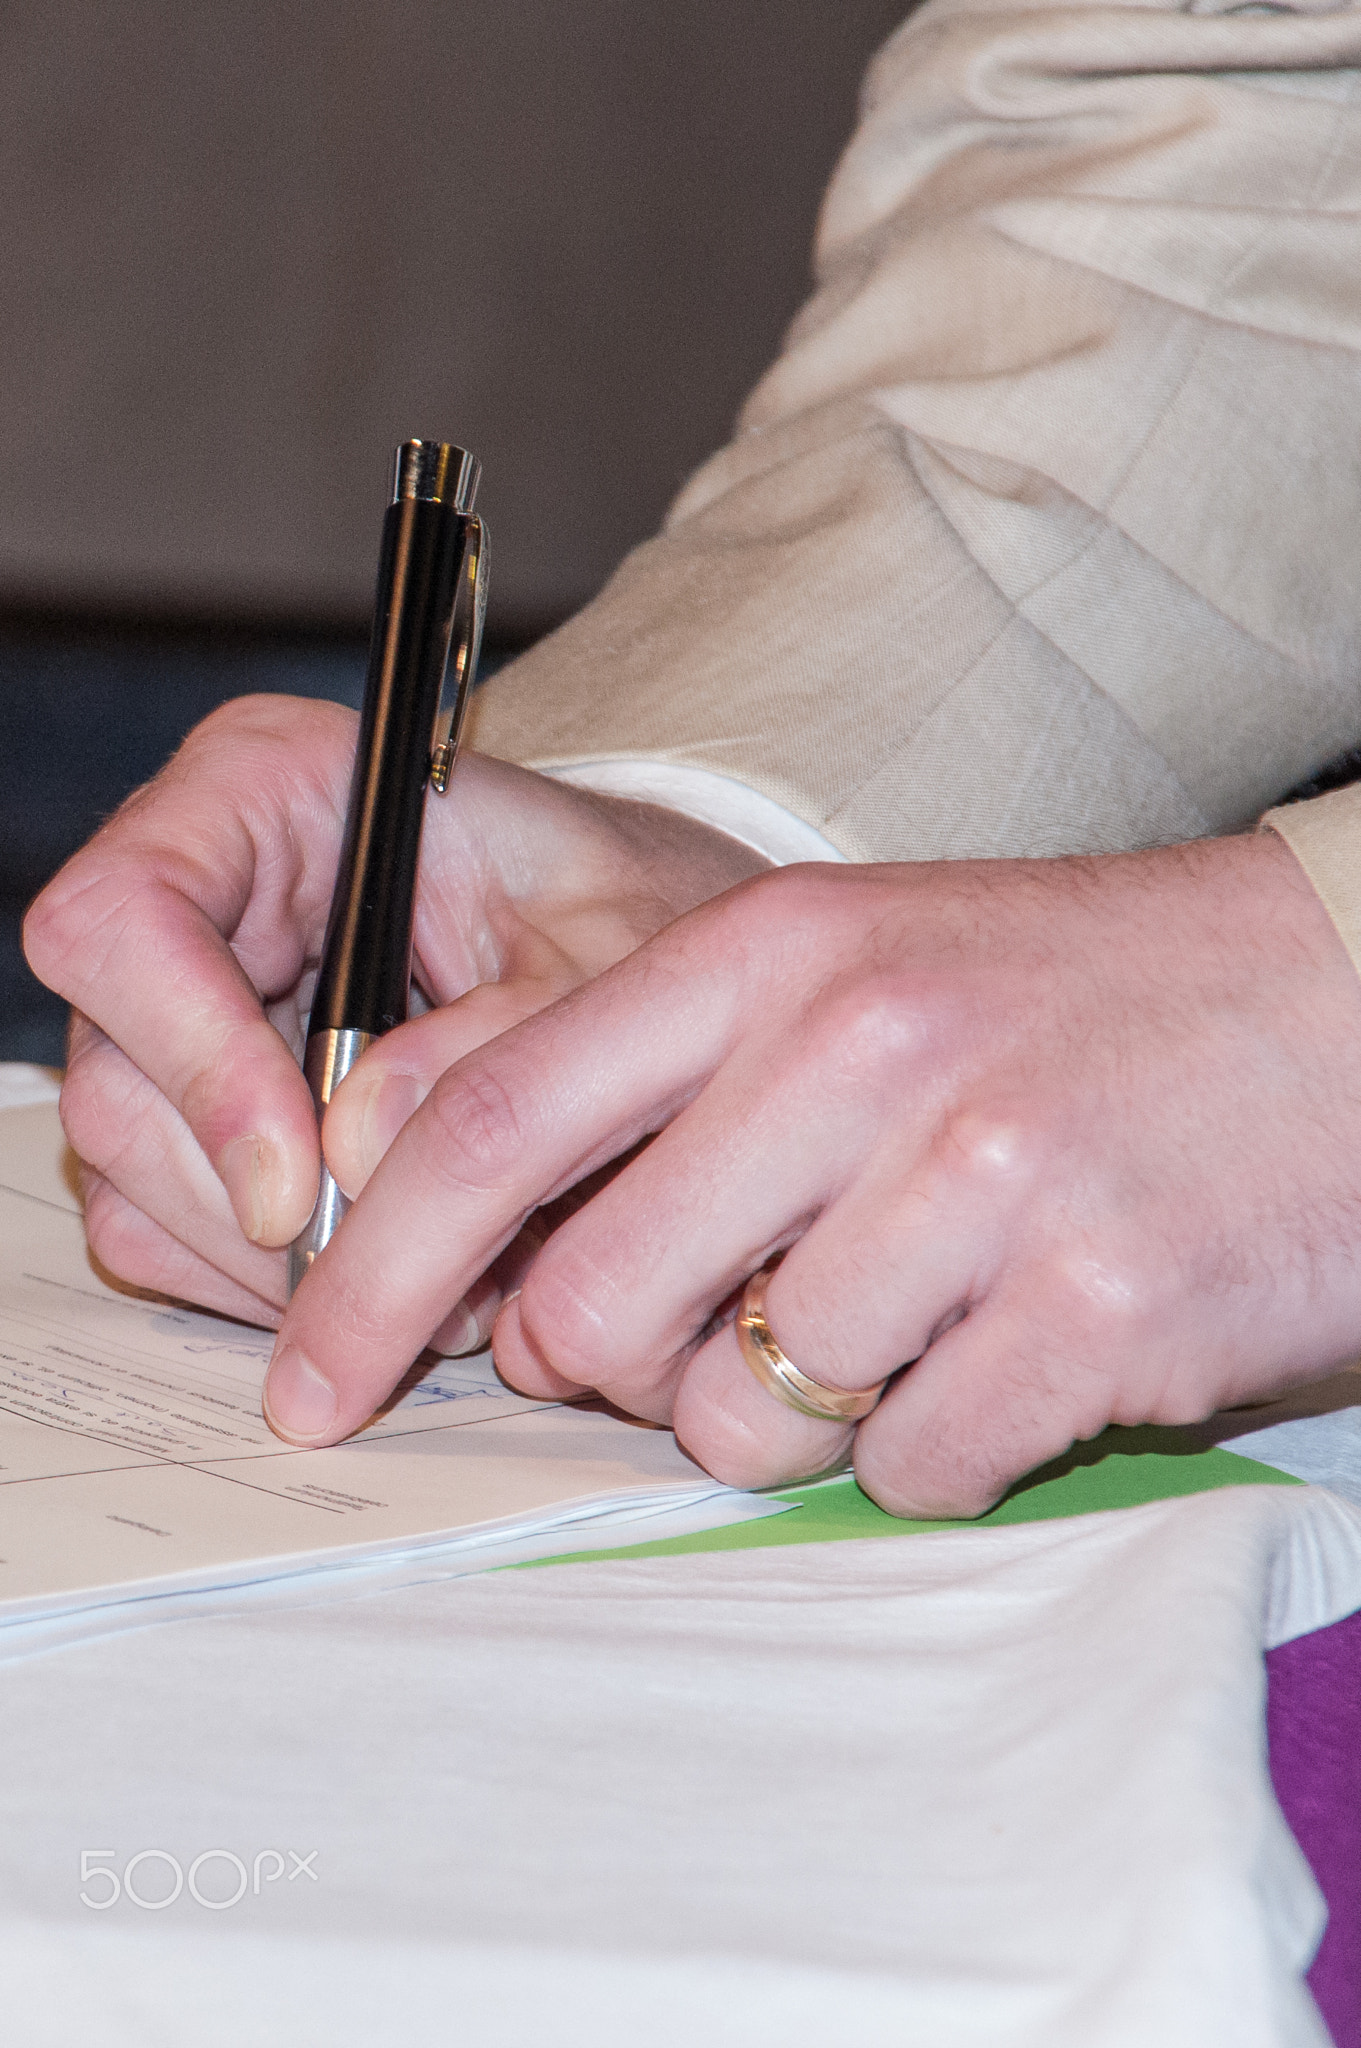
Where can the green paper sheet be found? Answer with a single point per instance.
(1122, 1468)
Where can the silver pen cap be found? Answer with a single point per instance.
(438, 472)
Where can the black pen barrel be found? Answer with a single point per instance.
(364, 978)
(365, 974)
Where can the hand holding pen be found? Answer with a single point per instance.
(185, 936)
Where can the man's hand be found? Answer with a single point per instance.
(186, 936)
(1082, 1138)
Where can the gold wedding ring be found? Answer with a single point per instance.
(780, 1377)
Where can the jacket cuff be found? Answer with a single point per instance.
(1325, 837)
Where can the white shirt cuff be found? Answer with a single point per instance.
(744, 814)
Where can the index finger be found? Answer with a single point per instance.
(504, 1130)
(197, 903)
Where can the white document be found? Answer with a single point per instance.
(134, 1460)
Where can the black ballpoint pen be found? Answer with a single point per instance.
(432, 574)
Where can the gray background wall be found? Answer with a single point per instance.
(246, 246)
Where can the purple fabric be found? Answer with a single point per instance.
(1314, 1735)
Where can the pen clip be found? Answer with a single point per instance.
(470, 612)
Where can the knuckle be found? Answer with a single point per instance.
(94, 1107)
(869, 1033)
(561, 1314)
(579, 1309)
(80, 1119)
(252, 720)
(57, 925)
(39, 936)
(767, 912)
(1099, 1299)
(249, 715)
(254, 746)
(117, 1234)
(994, 1150)
(875, 1024)
(83, 929)
(478, 1128)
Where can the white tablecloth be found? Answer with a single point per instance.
(1002, 1786)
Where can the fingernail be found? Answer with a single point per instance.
(386, 1110)
(239, 1168)
(299, 1402)
(458, 1334)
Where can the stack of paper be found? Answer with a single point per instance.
(138, 1479)
(135, 1466)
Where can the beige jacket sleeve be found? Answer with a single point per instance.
(1041, 533)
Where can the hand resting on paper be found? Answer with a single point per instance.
(1082, 1138)
(186, 934)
